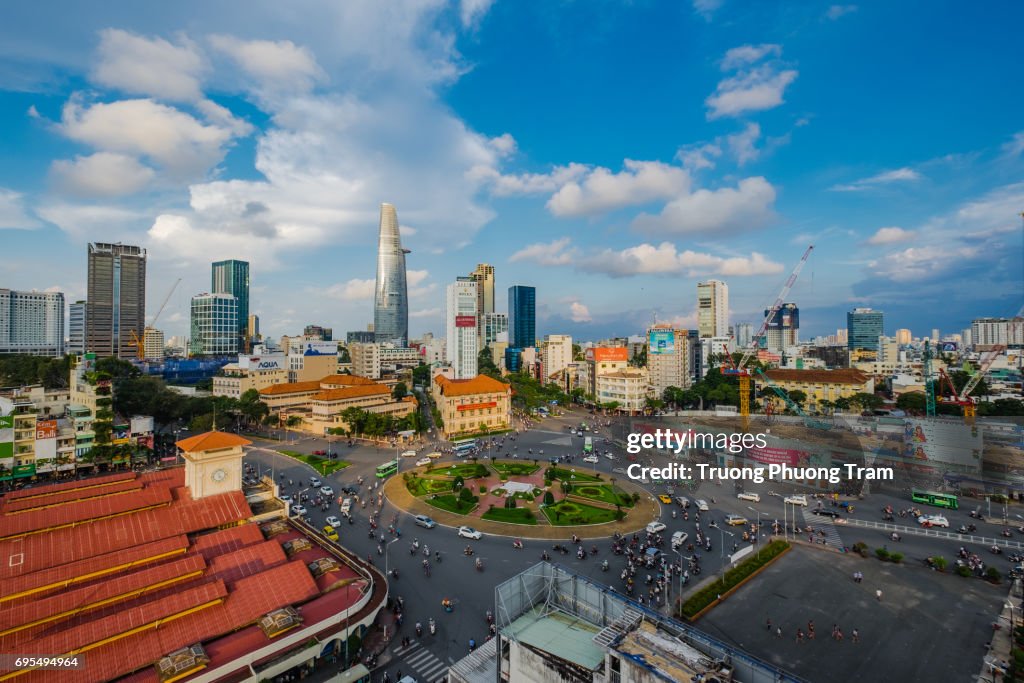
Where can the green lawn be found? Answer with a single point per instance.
(571, 513)
(465, 470)
(451, 503)
(514, 468)
(563, 473)
(514, 516)
(322, 465)
(420, 486)
(603, 493)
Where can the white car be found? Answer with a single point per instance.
(423, 461)
(298, 510)
(574, 432)
(609, 455)
(590, 458)
(679, 538)
(314, 482)
(795, 500)
(702, 505)
(327, 491)
(333, 521)
(655, 527)
(470, 532)
(933, 520)
(752, 497)
(286, 498)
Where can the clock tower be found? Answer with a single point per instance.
(213, 463)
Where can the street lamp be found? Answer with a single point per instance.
(679, 552)
(722, 532)
(757, 534)
(387, 547)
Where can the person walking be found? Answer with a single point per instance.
(878, 594)
(778, 631)
(856, 636)
(810, 630)
(769, 622)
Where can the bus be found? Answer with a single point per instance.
(588, 445)
(464, 447)
(387, 469)
(941, 500)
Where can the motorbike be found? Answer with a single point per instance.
(996, 550)
(517, 544)
(479, 565)
(581, 553)
(962, 529)
(433, 626)
(468, 552)
(544, 556)
(604, 566)
(593, 550)
(394, 574)
(419, 629)
(489, 616)
(437, 556)
(472, 645)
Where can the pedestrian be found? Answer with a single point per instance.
(839, 635)
(769, 622)
(810, 630)
(778, 631)
(856, 636)
(799, 636)
(878, 594)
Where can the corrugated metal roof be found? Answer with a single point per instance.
(69, 496)
(50, 518)
(247, 561)
(226, 540)
(68, 486)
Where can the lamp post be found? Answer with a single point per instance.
(757, 536)
(679, 552)
(387, 546)
(722, 533)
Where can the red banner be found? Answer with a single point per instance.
(784, 456)
(46, 429)
(465, 321)
(477, 406)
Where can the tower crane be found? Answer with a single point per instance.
(140, 342)
(738, 369)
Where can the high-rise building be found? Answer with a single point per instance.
(556, 355)
(522, 316)
(322, 333)
(214, 325)
(76, 327)
(484, 277)
(232, 277)
(153, 344)
(989, 332)
(903, 336)
(863, 327)
(460, 318)
(115, 304)
(935, 335)
(254, 327)
(668, 358)
(495, 327)
(713, 308)
(31, 323)
(744, 334)
(391, 301)
(784, 329)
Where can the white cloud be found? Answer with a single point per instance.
(579, 313)
(898, 175)
(85, 221)
(725, 210)
(646, 259)
(278, 65)
(706, 8)
(526, 183)
(836, 11)
(103, 174)
(601, 190)
(504, 144)
(12, 211)
(353, 290)
(748, 54)
(743, 145)
(1015, 146)
(697, 157)
(891, 235)
(472, 11)
(755, 89)
(425, 313)
(556, 253)
(415, 278)
(149, 66)
(918, 263)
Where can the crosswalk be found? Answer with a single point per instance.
(427, 665)
(824, 525)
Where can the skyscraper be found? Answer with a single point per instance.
(116, 300)
(391, 302)
(744, 333)
(76, 327)
(668, 358)
(483, 275)
(214, 325)
(903, 336)
(460, 319)
(522, 316)
(32, 323)
(713, 309)
(232, 277)
(864, 327)
(784, 329)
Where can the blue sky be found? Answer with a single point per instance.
(610, 153)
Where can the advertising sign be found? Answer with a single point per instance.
(602, 354)
(780, 456)
(948, 347)
(145, 441)
(142, 424)
(951, 443)
(46, 429)
(319, 348)
(120, 434)
(275, 362)
(661, 342)
(465, 321)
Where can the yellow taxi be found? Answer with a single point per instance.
(665, 499)
(330, 533)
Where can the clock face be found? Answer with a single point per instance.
(219, 475)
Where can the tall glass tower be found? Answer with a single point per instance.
(232, 277)
(391, 302)
(522, 316)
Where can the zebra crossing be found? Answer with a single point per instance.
(423, 661)
(824, 525)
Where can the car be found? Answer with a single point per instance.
(827, 512)
(333, 521)
(286, 498)
(608, 454)
(752, 497)
(470, 532)
(315, 482)
(735, 520)
(702, 505)
(590, 458)
(350, 489)
(574, 432)
(330, 533)
(655, 527)
(424, 521)
(298, 510)
(683, 502)
(667, 500)
(423, 461)
(933, 520)
(326, 490)
(679, 538)
(434, 455)
(795, 500)
(320, 452)
(619, 470)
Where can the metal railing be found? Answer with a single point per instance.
(932, 532)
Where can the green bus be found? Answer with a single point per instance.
(588, 445)
(940, 500)
(387, 469)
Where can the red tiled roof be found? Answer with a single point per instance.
(225, 541)
(50, 518)
(211, 441)
(481, 384)
(69, 486)
(351, 392)
(837, 376)
(69, 496)
(290, 388)
(345, 381)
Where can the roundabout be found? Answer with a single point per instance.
(523, 498)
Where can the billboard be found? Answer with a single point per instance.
(661, 342)
(779, 456)
(950, 443)
(319, 348)
(274, 362)
(142, 424)
(46, 429)
(465, 321)
(948, 347)
(120, 434)
(606, 354)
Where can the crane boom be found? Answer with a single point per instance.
(166, 299)
(986, 361)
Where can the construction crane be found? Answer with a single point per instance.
(739, 369)
(140, 342)
(793, 405)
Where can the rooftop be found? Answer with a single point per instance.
(837, 376)
(332, 381)
(211, 441)
(563, 635)
(290, 388)
(359, 391)
(481, 384)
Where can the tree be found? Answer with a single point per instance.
(510, 502)
(251, 407)
(458, 482)
(421, 375)
(914, 402)
(484, 428)
(466, 496)
(639, 358)
(549, 499)
(485, 363)
(798, 397)
(343, 355)
(866, 402)
(577, 352)
(400, 391)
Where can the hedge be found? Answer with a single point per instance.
(733, 577)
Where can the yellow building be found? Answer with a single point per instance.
(818, 385)
(467, 405)
(321, 403)
(238, 380)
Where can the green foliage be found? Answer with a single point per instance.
(882, 553)
(570, 513)
(529, 393)
(483, 489)
(510, 502)
(896, 557)
(993, 575)
(510, 516)
(639, 359)
(458, 482)
(20, 370)
(963, 570)
(466, 496)
(733, 577)
(861, 548)
(421, 375)
(485, 364)
(322, 465)
(400, 391)
(513, 468)
(362, 422)
(798, 397)
(451, 503)
(549, 498)
(912, 402)
(940, 562)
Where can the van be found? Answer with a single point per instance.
(346, 506)
(752, 497)
(683, 502)
(702, 505)
(409, 454)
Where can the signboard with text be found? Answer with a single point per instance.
(465, 321)
(46, 429)
(661, 342)
(319, 348)
(602, 354)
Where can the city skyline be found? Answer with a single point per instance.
(283, 151)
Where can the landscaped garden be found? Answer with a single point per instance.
(572, 513)
(460, 505)
(510, 515)
(604, 493)
(421, 486)
(733, 578)
(561, 473)
(322, 465)
(465, 470)
(512, 468)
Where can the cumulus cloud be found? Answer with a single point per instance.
(472, 11)
(278, 65)
(754, 89)
(891, 235)
(12, 211)
(579, 313)
(425, 313)
(103, 174)
(898, 175)
(725, 210)
(601, 190)
(918, 263)
(1015, 146)
(508, 185)
(353, 290)
(836, 11)
(744, 144)
(706, 8)
(149, 66)
(556, 253)
(85, 221)
(748, 54)
(700, 156)
(644, 259)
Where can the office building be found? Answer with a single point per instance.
(232, 277)
(483, 274)
(115, 305)
(495, 328)
(360, 336)
(903, 336)
(863, 327)
(987, 333)
(460, 319)
(214, 325)
(251, 372)
(76, 327)
(318, 332)
(375, 360)
(391, 298)
(713, 308)
(556, 355)
(668, 358)
(744, 334)
(712, 351)
(153, 344)
(253, 330)
(472, 405)
(522, 316)
(31, 323)
(783, 331)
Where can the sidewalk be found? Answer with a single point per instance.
(1001, 645)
